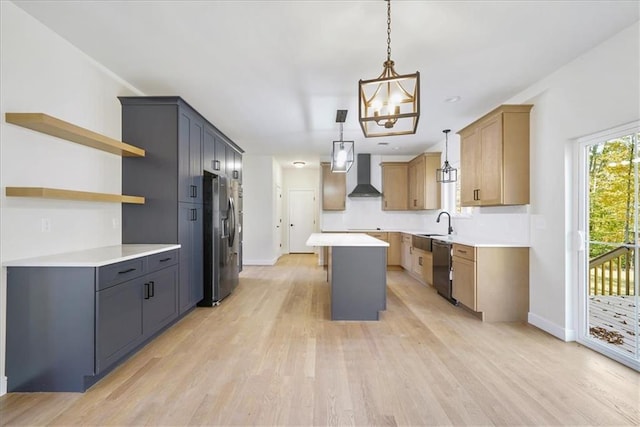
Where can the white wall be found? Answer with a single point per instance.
(597, 91)
(259, 179)
(41, 72)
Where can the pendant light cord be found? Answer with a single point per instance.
(388, 30)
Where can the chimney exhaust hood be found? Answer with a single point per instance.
(364, 187)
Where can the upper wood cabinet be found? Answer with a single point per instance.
(334, 189)
(424, 190)
(494, 158)
(395, 186)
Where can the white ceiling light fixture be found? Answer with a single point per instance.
(299, 164)
(446, 173)
(342, 154)
(390, 104)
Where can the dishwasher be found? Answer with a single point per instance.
(442, 269)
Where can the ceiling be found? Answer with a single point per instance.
(271, 74)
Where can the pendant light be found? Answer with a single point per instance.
(389, 104)
(342, 153)
(446, 173)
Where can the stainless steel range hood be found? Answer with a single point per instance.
(364, 187)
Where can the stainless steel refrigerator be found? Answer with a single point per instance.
(221, 239)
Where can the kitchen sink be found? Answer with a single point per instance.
(423, 241)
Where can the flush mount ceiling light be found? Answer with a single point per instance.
(342, 154)
(446, 173)
(299, 164)
(390, 104)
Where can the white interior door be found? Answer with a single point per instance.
(278, 220)
(301, 220)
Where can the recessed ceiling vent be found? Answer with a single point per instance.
(364, 187)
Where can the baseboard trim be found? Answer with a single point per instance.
(271, 261)
(551, 328)
(3, 386)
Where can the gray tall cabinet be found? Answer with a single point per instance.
(179, 144)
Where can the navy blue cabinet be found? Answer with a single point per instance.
(69, 326)
(179, 145)
(191, 235)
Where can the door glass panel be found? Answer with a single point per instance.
(612, 220)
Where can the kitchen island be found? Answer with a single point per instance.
(357, 274)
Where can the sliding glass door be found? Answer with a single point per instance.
(609, 217)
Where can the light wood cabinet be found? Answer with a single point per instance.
(418, 262)
(492, 281)
(334, 189)
(494, 158)
(395, 186)
(395, 248)
(427, 268)
(405, 253)
(424, 190)
(393, 239)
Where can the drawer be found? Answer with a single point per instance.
(113, 274)
(381, 236)
(464, 251)
(162, 260)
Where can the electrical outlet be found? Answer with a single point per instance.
(45, 225)
(115, 222)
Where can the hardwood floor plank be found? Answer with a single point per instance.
(270, 355)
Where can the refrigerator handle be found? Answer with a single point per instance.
(232, 220)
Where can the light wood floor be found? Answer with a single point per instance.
(268, 355)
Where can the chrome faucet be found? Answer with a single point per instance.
(438, 220)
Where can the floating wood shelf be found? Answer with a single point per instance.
(56, 193)
(59, 128)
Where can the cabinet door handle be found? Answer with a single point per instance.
(153, 289)
(194, 191)
(194, 214)
(419, 260)
(235, 174)
(146, 291)
(216, 165)
(461, 251)
(129, 270)
(165, 259)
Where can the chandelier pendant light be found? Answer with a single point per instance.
(389, 104)
(446, 173)
(342, 153)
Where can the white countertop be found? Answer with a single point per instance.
(496, 242)
(95, 257)
(343, 239)
(481, 242)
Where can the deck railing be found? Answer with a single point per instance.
(612, 273)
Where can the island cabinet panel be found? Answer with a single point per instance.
(69, 326)
(358, 282)
(494, 158)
